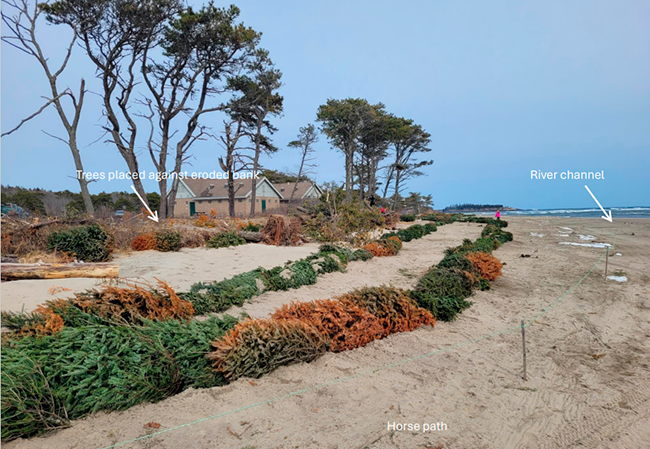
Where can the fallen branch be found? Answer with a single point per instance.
(250, 236)
(14, 271)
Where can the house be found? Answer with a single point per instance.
(305, 190)
(203, 196)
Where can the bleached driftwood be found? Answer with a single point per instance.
(250, 236)
(14, 271)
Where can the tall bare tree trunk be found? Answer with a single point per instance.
(22, 35)
(397, 179)
(349, 166)
(256, 161)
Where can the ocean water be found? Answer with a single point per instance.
(617, 212)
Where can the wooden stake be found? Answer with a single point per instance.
(523, 341)
(606, 262)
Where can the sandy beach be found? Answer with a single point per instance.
(588, 353)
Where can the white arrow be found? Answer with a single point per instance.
(608, 215)
(154, 215)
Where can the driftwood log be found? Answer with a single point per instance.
(250, 236)
(14, 271)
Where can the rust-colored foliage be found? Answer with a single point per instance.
(45, 320)
(393, 306)
(348, 327)
(281, 231)
(257, 346)
(384, 248)
(51, 322)
(134, 302)
(144, 242)
(488, 265)
(205, 222)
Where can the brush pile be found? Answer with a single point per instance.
(283, 231)
(384, 247)
(116, 347)
(300, 332)
(131, 304)
(49, 380)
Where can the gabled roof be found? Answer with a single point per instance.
(301, 189)
(218, 188)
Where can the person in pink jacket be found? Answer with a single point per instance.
(498, 215)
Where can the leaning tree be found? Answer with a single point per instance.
(162, 62)
(20, 24)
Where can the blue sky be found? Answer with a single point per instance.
(503, 87)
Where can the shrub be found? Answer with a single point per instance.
(347, 327)
(88, 243)
(226, 239)
(362, 254)
(144, 242)
(440, 218)
(250, 227)
(220, 296)
(78, 371)
(408, 217)
(394, 307)
(344, 254)
(134, 303)
(110, 304)
(204, 221)
(332, 219)
(444, 309)
(167, 240)
(488, 266)
(256, 347)
(485, 245)
(441, 282)
(495, 232)
(430, 227)
(302, 273)
(458, 261)
(42, 321)
(384, 247)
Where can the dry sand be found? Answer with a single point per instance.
(588, 362)
(179, 269)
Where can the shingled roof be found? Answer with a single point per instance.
(218, 188)
(301, 189)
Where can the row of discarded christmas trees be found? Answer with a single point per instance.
(112, 348)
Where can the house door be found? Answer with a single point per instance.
(192, 208)
(263, 206)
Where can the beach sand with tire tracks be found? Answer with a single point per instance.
(588, 359)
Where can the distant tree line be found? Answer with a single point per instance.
(470, 206)
(163, 69)
(42, 202)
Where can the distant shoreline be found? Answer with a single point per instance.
(617, 212)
